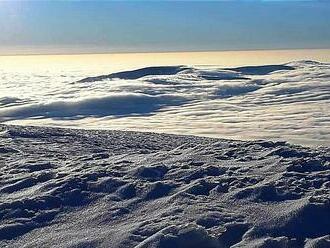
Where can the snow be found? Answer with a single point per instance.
(93, 188)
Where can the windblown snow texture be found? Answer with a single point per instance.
(76, 188)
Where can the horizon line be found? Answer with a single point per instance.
(156, 52)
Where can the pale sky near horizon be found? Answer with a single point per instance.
(127, 26)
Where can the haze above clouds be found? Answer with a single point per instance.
(56, 26)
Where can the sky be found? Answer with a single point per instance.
(152, 26)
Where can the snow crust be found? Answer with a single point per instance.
(79, 188)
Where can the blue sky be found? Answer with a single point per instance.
(164, 25)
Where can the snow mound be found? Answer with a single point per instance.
(78, 188)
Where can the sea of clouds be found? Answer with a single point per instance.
(282, 102)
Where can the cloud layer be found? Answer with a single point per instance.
(273, 101)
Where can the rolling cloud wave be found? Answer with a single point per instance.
(287, 101)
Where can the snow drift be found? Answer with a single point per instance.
(76, 188)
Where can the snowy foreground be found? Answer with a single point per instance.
(77, 188)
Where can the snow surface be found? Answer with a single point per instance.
(79, 188)
(274, 102)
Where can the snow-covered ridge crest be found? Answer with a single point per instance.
(78, 188)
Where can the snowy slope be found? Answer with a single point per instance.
(76, 188)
